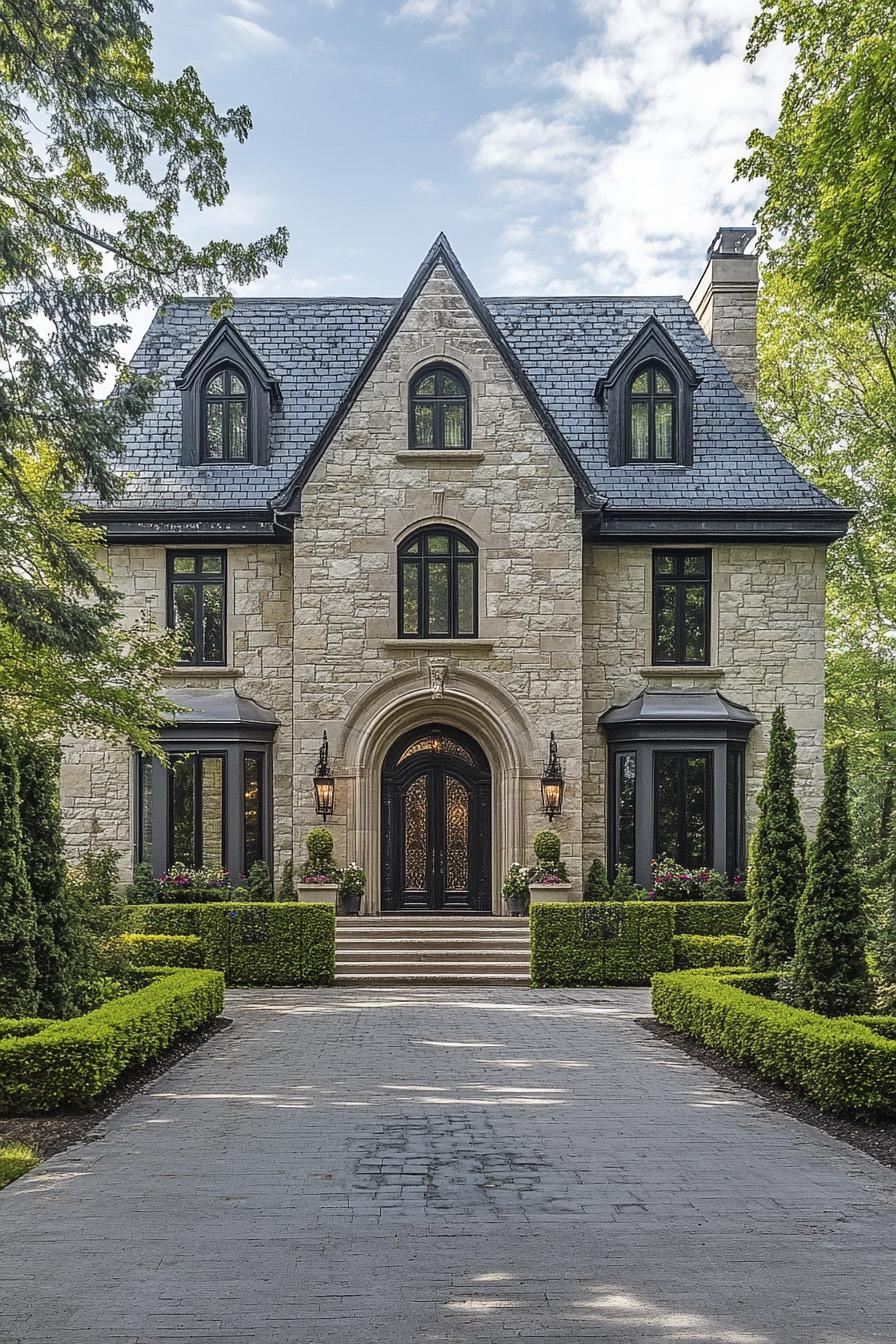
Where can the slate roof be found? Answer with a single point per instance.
(314, 347)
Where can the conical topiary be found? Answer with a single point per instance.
(597, 884)
(830, 969)
(777, 870)
(623, 888)
(18, 925)
(59, 945)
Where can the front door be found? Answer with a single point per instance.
(436, 824)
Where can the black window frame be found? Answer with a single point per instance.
(260, 759)
(438, 401)
(651, 398)
(226, 399)
(679, 581)
(421, 561)
(198, 581)
(197, 758)
(683, 756)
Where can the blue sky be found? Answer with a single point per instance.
(573, 146)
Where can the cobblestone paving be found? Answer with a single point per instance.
(445, 1166)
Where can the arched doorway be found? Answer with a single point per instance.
(436, 823)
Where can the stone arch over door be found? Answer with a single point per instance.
(458, 697)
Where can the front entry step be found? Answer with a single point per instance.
(432, 950)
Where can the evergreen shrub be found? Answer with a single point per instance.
(597, 885)
(18, 918)
(777, 866)
(710, 917)
(605, 943)
(694, 950)
(160, 949)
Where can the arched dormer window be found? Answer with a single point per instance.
(225, 417)
(648, 395)
(650, 415)
(227, 399)
(439, 409)
(437, 585)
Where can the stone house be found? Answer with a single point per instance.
(440, 530)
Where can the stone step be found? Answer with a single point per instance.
(432, 949)
(410, 966)
(357, 947)
(447, 921)
(381, 980)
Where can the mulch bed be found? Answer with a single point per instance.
(877, 1138)
(50, 1134)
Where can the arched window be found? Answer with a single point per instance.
(650, 415)
(440, 409)
(225, 417)
(437, 597)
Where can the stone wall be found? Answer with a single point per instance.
(514, 497)
(97, 802)
(767, 648)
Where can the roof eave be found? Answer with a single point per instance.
(188, 526)
(609, 526)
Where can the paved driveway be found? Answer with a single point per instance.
(441, 1165)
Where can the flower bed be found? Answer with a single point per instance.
(72, 1062)
(843, 1064)
(253, 943)
(600, 943)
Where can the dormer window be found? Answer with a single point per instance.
(650, 415)
(648, 395)
(225, 417)
(440, 410)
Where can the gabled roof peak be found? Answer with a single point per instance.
(226, 341)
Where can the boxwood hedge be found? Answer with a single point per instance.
(162, 949)
(710, 917)
(839, 1063)
(252, 942)
(600, 942)
(74, 1061)
(701, 949)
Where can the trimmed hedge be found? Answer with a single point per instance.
(252, 942)
(599, 942)
(839, 1063)
(162, 949)
(23, 1026)
(710, 917)
(693, 950)
(884, 1026)
(72, 1062)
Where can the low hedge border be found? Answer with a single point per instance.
(841, 1064)
(72, 1062)
(162, 949)
(261, 943)
(599, 942)
(23, 1026)
(693, 950)
(710, 917)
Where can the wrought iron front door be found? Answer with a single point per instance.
(436, 805)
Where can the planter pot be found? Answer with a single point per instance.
(539, 892)
(517, 905)
(350, 905)
(322, 892)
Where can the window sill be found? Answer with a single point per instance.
(684, 670)
(199, 671)
(412, 648)
(437, 457)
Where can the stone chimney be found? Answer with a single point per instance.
(725, 304)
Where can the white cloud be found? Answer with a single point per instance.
(447, 18)
(249, 6)
(246, 37)
(638, 132)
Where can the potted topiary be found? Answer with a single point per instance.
(549, 880)
(319, 879)
(352, 882)
(516, 889)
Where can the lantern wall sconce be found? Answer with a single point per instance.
(552, 783)
(324, 784)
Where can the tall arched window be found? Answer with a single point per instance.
(437, 587)
(440, 409)
(650, 415)
(225, 417)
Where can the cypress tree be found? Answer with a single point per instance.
(777, 871)
(60, 934)
(830, 970)
(597, 885)
(18, 926)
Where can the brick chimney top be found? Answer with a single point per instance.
(731, 242)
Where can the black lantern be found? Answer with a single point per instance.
(552, 783)
(324, 784)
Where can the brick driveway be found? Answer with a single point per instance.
(444, 1165)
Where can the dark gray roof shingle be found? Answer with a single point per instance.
(313, 347)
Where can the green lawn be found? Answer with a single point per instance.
(15, 1160)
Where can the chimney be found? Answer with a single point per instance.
(725, 304)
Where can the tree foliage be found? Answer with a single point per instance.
(830, 209)
(18, 924)
(597, 884)
(97, 157)
(777, 870)
(830, 969)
